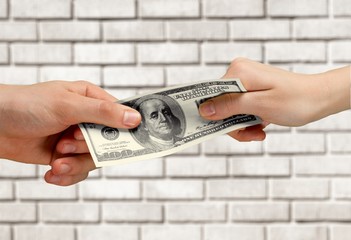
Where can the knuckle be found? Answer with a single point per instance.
(82, 82)
(237, 67)
(239, 63)
(106, 109)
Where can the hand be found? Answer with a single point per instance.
(280, 97)
(34, 118)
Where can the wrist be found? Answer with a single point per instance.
(334, 92)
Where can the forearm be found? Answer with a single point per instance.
(337, 95)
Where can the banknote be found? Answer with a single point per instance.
(170, 123)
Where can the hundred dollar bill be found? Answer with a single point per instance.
(170, 123)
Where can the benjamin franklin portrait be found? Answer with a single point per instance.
(162, 123)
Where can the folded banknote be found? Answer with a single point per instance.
(170, 123)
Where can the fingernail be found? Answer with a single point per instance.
(131, 118)
(55, 179)
(68, 148)
(64, 168)
(78, 136)
(207, 109)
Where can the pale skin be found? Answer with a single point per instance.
(280, 97)
(39, 125)
(38, 122)
(277, 96)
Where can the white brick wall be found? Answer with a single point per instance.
(70, 31)
(91, 232)
(296, 185)
(51, 53)
(104, 8)
(44, 233)
(54, 9)
(297, 8)
(169, 8)
(3, 8)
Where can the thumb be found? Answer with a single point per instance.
(227, 105)
(99, 111)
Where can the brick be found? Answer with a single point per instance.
(226, 52)
(224, 145)
(339, 142)
(297, 8)
(169, 8)
(233, 8)
(6, 190)
(299, 189)
(96, 189)
(341, 188)
(222, 232)
(296, 51)
(90, 74)
(283, 143)
(197, 30)
(339, 51)
(33, 53)
(335, 122)
(187, 74)
(93, 53)
(134, 30)
(317, 211)
(18, 31)
(196, 212)
(327, 29)
(4, 53)
(65, 212)
(150, 168)
(258, 166)
(44, 232)
(297, 232)
(236, 189)
(70, 31)
(3, 8)
(259, 212)
(341, 8)
(133, 76)
(41, 9)
(173, 189)
(17, 212)
(323, 165)
(142, 91)
(339, 232)
(107, 232)
(192, 150)
(5, 232)
(171, 232)
(19, 75)
(184, 166)
(105, 9)
(259, 29)
(132, 212)
(121, 93)
(166, 53)
(10, 169)
(40, 190)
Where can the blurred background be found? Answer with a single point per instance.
(296, 185)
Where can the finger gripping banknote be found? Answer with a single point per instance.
(170, 123)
